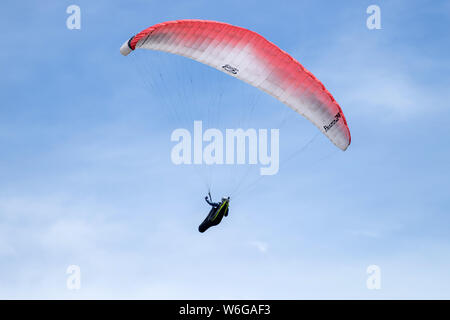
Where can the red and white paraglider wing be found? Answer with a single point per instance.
(248, 56)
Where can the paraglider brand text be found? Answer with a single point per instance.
(332, 123)
(233, 151)
(230, 69)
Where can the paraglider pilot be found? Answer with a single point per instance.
(215, 215)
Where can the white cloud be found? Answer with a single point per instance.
(367, 73)
(259, 245)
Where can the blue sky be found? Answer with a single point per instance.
(86, 177)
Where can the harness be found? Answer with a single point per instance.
(223, 206)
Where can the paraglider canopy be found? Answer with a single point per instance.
(248, 56)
